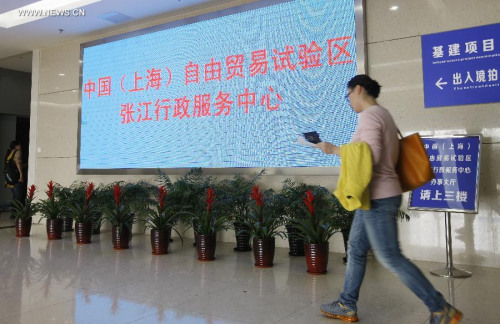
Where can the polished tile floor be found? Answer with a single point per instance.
(59, 281)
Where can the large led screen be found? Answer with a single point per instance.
(229, 90)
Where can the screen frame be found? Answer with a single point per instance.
(361, 63)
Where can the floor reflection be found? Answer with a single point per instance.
(59, 281)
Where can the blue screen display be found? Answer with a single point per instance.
(230, 91)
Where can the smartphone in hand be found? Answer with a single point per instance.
(312, 137)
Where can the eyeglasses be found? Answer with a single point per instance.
(348, 93)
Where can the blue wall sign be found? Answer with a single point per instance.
(461, 67)
(455, 160)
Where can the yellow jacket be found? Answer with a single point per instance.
(355, 176)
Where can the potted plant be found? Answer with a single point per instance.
(235, 200)
(207, 221)
(263, 224)
(23, 213)
(294, 209)
(161, 219)
(185, 192)
(316, 229)
(103, 200)
(121, 218)
(51, 209)
(138, 197)
(65, 195)
(83, 213)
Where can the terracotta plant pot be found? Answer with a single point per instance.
(54, 228)
(83, 233)
(263, 252)
(23, 227)
(205, 247)
(120, 240)
(316, 257)
(159, 241)
(242, 239)
(67, 224)
(296, 245)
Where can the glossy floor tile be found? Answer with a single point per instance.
(59, 281)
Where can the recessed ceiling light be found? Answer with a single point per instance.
(62, 74)
(43, 9)
(393, 8)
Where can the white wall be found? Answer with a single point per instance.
(394, 59)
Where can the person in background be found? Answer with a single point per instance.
(376, 228)
(17, 188)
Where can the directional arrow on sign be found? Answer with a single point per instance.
(439, 83)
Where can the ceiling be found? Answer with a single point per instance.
(17, 43)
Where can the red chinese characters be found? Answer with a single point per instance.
(234, 65)
(104, 86)
(192, 73)
(213, 70)
(202, 106)
(341, 55)
(159, 105)
(223, 104)
(154, 79)
(266, 100)
(310, 57)
(282, 59)
(89, 87)
(307, 56)
(259, 63)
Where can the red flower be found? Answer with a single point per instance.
(88, 194)
(162, 196)
(257, 195)
(210, 198)
(117, 193)
(309, 201)
(31, 192)
(50, 192)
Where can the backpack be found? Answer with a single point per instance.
(10, 171)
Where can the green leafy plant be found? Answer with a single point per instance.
(293, 194)
(402, 215)
(185, 192)
(28, 208)
(319, 225)
(234, 196)
(208, 219)
(52, 207)
(84, 211)
(139, 197)
(102, 200)
(266, 217)
(160, 216)
(119, 214)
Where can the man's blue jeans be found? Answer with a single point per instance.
(377, 229)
